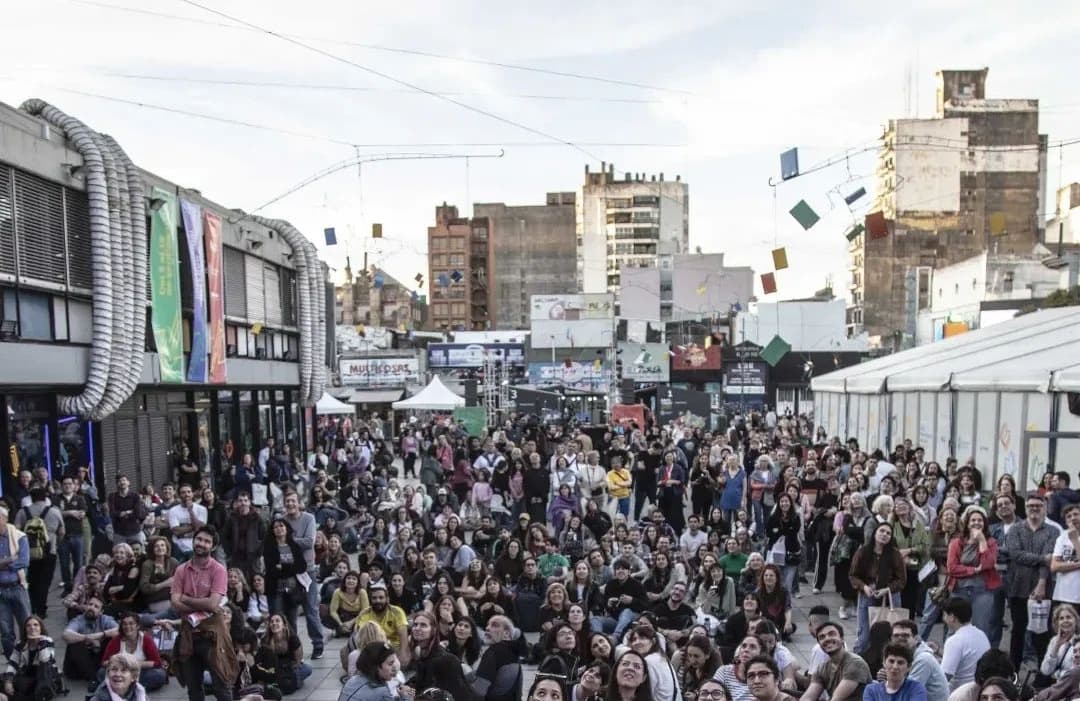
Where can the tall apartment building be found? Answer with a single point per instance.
(459, 271)
(627, 223)
(376, 298)
(533, 252)
(968, 180)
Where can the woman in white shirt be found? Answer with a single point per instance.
(1059, 653)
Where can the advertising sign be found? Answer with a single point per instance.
(696, 357)
(529, 401)
(471, 355)
(577, 375)
(685, 407)
(474, 418)
(746, 378)
(747, 351)
(645, 362)
(572, 307)
(165, 288)
(191, 213)
(374, 372)
(215, 276)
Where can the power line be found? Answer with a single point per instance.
(394, 49)
(387, 76)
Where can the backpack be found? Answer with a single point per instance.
(37, 534)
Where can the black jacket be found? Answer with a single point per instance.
(276, 570)
(631, 587)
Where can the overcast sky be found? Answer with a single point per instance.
(727, 87)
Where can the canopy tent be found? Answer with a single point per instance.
(329, 405)
(1005, 396)
(434, 397)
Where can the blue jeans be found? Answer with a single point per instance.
(624, 506)
(757, 506)
(790, 575)
(311, 612)
(612, 626)
(71, 558)
(862, 635)
(14, 609)
(931, 615)
(982, 603)
(303, 671)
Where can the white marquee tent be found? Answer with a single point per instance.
(999, 395)
(328, 405)
(435, 397)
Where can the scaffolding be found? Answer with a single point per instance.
(496, 389)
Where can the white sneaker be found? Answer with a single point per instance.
(798, 595)
(842, 614)
(816, 590)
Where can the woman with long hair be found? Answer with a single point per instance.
(280, 657)
(560, 651)
(661, 574)
(236, 589)
(445, 614)
(849, 527)
(972, 571)
(598, 646)
(284, 561)
(348, 601)
(591, 683)
(630, 680)
(733, 676)
(122, 584)
(547, 688)
(582, 590)
(696, 662)
(156, 574)
(877, 572)
(511, 562)
(945, 529)
(702, 485)
(783, 533)
(496, 601)
(33, 662)
(716, 594)
(663, 679)
(464, 641)
(258, 602)
(923, 511)
(562, 507)
(750, 577)
(472, 584)
(774, 600)
(376, 667)
(401, 595)
(432, 665)
(444, 589)
(554, 606)
(912, 539)
(575, 539)
(133, 641)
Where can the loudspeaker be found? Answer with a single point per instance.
(470, 392)
(1074, 402)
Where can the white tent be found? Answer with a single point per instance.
(434, 397)
(999, 395)
(329, 405)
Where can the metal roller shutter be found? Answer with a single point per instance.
(288, 297)
(235, 283)
(77, 212)
(7, 223)
(159, 449)
(123, 451)
(272, 292)
(256, 296)
(39, 229)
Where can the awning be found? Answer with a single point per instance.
(375, 396)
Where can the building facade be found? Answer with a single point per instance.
(459, 271)
(376, 298)
(533, 252)
(51, 296)
(970, 179)
(627, 223)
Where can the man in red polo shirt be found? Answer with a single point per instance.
(198, 594)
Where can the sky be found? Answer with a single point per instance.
(711, 91)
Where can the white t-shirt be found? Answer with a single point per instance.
(962, 652)
(179, 516)
(690, 542)
(1067, 585)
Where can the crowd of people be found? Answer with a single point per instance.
(627, 562)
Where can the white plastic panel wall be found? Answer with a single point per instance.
(964, 426)
(873, 423)
(1010, 436)
(927, 425)
(942, 448)
(896, 421)
(910, 425)
(986, 432)
(819, 410)
(862, 421)
(1038, 449)
(841, 409)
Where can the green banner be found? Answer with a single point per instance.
(165, 286)
(474, 418)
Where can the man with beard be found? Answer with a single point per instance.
(198, 595)
(303, 525)
(85, 636)
(674, 617)
(763, 680)
(844, 676)
(244, 535)
(498, 673)
(423, 582)
(390, 618)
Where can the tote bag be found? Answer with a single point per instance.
(886, 612)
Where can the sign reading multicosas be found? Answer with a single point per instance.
(372, 372)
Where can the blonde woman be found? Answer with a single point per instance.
(1059, 653)
(362, 636)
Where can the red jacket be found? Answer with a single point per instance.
(988, 560)
(150, 651)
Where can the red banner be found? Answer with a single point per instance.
(696, 357)
(627, 414)
(212, 235)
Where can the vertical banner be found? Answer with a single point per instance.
(212, 233)
(165, 286)
(191, 213)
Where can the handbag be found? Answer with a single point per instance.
(841, 550)
(939, 595)
(887, 612)
(1038, 616)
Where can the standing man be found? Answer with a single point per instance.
(265, 455)
(303, 526)
(198, 595)
(44, 527)
(1029, 547)
(672, 481)
(184, 519)
(244, 535)
(14, 601)
(128, 512)
(644, 470)
(73, 509)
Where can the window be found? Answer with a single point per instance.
(458, 308)
(438, 243)
(457, 243)
(33, 311)
(1008, 281)
(457, 259)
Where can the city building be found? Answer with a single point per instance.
(459, 271)
(375, 298)
(678, 287)
(627, 223)
(970, 179)
(226, 357)
(987, 289)
(533, 252)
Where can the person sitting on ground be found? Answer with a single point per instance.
(86, 636)
(898, 685)
(121, 680)
(498, 674)
(131, 640)
(32, 664)
(844, 676)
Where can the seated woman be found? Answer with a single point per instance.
(258, 603)
(139, 645)
(33, 663)
(347, 603)
(326, 592)
(464, 641)
(280, 657)
(122, 584)
(121, 681)
(155, 575)
(335, 553)
(236, 590)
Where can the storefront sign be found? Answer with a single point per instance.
(576, 375)
(372, 372)
(191, 213)
(684, 407)
(747, 351)
(165, 287)
(215, 275)
(471, 355)
(746, 378)
(645, 362)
